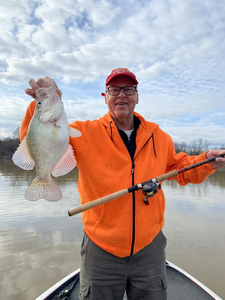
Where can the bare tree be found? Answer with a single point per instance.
(181, 147)
(198, 146)
(16, 133)
(9, 144)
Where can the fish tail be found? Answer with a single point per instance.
(43, 189)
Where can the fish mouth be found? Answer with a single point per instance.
(54, 120)
(44, 120)
(51, 109)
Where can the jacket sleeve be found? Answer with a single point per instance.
(181, 160)
(26, 120)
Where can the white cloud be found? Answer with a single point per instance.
(11, 113)
(13, 13)
(154, 71)
(83, 110)
(176, 48)
(214, 134)
(100, 13)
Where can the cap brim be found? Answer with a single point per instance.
(110, 77)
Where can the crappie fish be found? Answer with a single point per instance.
(46, 147)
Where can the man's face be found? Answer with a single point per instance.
(121, 106)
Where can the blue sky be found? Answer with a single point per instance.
(175, 48)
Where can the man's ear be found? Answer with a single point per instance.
(137, 99)
(103, 94)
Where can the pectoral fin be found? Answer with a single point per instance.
(74, 132)
(22, 157)
(66, 164)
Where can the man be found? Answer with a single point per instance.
(123, 248)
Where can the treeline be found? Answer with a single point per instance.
(195, 148)
(9, 145)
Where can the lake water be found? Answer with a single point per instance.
(40, 244)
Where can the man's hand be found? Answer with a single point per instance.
(220, 161)
(41, 83)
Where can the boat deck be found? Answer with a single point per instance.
(180, 287)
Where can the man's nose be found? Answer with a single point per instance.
(121, 93)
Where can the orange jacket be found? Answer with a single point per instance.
(105, 167)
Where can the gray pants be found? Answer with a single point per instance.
(104, 276)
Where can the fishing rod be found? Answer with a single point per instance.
(149, 187)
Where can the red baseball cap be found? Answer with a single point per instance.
(121, 72)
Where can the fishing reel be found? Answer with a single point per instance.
(149, 190)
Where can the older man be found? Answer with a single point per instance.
(123, 248)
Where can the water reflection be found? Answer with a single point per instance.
(205, 198)
(20, 177)
(30, 265)
(39, 243)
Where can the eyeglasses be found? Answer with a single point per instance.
(115, 90)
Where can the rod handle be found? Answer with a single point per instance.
(168, 175)
(94, 203)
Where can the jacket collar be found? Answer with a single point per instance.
(150, 127)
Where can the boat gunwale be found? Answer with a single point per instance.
(194, 280)
(57, 285)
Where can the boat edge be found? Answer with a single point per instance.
(168, 264)
(57, 285)
(201, 285)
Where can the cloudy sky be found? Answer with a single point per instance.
(175, 48)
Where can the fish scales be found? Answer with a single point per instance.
(46, 146)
